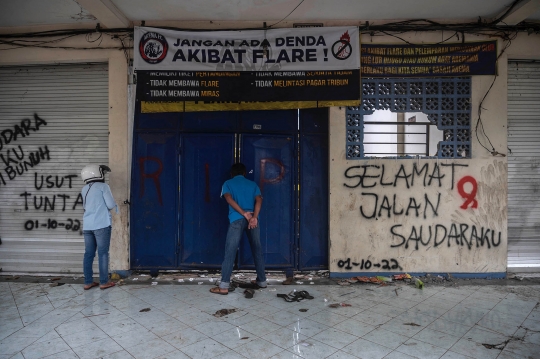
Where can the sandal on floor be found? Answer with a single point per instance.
(91, 285)
(217, 290)
(288, 281)
(107, 285)
(305, 294)
(248, 293)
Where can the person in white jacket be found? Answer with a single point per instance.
(97, 224)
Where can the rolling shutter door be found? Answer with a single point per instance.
(53, 121)
(524, 166)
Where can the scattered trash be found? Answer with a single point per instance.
(222, 312)
(337, 305)
(12, 278)
(373, 280)
(120, 282)
(311, 282)
(144, 310)
(384, 279)
(211, 279)
(57, 278)
(303, 310)
(154, 283)
(325, 300)
(191, 279)
(352, 280)
(401, 276)
(517, 277)
(143, 275)
(410, 344)
(299, 282)
(310, 278)
(272, 289)
(135, 279)
(114, 276)
(299, 276)
(202, 275)
(395, 290)
(244, 338)
(343, 282)
(305, 344)
(412, 324)
(180, 280)
(199, 283)
(56, 284)
(249, 293)
(419, 284)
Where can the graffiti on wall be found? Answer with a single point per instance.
(421, 205)
(17, 159)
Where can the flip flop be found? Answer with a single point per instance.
(91, 285)
(107, 285)
(305, 294)
(254, 281)
(248, 293)
(217, 290)
(288, 281)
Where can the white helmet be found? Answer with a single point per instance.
(91, 173)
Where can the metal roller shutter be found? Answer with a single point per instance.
(53, 120)
(524, 166)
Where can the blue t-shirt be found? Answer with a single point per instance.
(243, 191)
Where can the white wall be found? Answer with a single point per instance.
(392, 236)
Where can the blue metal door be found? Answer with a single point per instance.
(206, 161)
(153, 201)
(271, 163)
(313, 238)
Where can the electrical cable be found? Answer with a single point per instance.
(288, 14)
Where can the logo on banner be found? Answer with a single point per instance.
(153, 47)
(342, 48)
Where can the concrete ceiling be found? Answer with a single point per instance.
(123, 13)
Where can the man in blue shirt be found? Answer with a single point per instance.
(245, 200)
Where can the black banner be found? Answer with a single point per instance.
(248, 86)
(463, 59)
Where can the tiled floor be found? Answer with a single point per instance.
(39, 321)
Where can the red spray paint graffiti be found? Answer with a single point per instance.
(154, 175)
(263, 179)
(470, 197)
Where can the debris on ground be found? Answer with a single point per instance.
(223, 312)
(412, 324)
(384, 279)
(144, 310)
(401, 276)
(249, 293)
(343, 282)
(337, 305)
(419, 284)
(303, 310)
(57, 278)
(56, 284)
(115, 276)
(120, 282)
(244, 338)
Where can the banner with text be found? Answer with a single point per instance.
(461, 59)
(313, 64)
(310, 49)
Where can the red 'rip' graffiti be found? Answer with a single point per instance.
(470, 197)
(263, 179)
(154, 175)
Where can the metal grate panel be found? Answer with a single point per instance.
(446, 101)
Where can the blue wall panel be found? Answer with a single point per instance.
(153, 201)
(271, 163)
(206, 161)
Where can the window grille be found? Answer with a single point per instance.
(446, 102)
